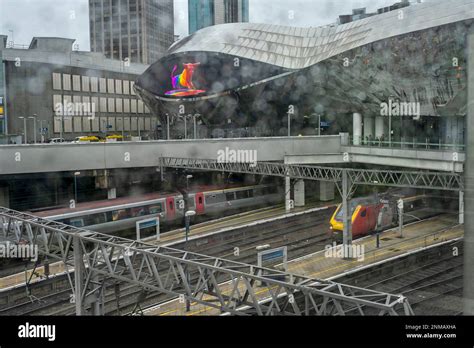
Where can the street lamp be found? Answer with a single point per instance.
(195, 115)
(76, 174)
(167, 126)
(34, 126)
(25, 141)
(188, 215)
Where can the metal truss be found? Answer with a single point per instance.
(225, 285)
(415, 179)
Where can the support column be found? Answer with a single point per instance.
(4, 197)
(78, 275)
(461, 207)
(288, 203)
(347, 218)
(299, 193)
(356, 128)
(111, 193)
(468, 292)
(326, 191)
(368, 128)
(379, 126)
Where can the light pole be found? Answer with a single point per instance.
(25, 140)
(195, 127)
(167, 126)
(289, 124)
(34, 126)
(319, 124)
(76, 174)
(186, 126)
(188, 215)
(42, 132)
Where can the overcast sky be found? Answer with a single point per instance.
(69, 18)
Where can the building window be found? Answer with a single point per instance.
(133, 106)
(57, 103)
(103, 104)
(94, 84)
(66, 82)
(118, 105)
(126, 105)
(103, 85)
(132, 91)
(118, 86)
(57, 81)
(111, 104)
(111, 86)
(126, 87)
(85, 83)
(140, 107)
(76, 83)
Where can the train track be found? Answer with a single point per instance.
(432, 287)
(307, 234)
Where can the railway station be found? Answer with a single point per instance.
(322, 170)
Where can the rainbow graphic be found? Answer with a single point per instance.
(183, 83)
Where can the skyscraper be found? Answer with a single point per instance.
(204, 13)
(139, 31)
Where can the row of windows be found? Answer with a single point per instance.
(83, 105)
(243, 194)
(115, 215)
(92, 84)
(78, 124)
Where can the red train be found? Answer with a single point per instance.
(370, 213)
(123, 213)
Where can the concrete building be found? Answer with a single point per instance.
(204, 13)
(73, 93)
(139, 31)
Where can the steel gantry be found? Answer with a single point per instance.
(214, 282)
(346, 179)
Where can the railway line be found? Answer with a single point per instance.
(302, 234)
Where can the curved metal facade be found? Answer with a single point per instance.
(250, 74)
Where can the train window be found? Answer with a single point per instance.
(96, 219)
(155, 209)
(215, 198)
(199, 200)
(363, 213)
(230, 196)
(120, 214)
(76, 222)
(139, 211)
(242, 194)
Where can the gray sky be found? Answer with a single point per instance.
(69, 18)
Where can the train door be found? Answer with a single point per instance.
(199, 197)
(170, 208)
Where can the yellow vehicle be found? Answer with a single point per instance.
(86, 139)
(115, 136)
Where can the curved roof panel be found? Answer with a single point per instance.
(297, 48)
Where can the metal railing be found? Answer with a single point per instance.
(415, 143)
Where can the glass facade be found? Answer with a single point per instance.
(204, 13)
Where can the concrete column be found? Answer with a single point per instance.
(379, 126)
(468, 292)
(368, 127)
(356, 128)
(461, 207)
(326, 191)
(299, 193)
(4, 197)
(111, 193)
(288, 203)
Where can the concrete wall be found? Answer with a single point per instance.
(67, 157)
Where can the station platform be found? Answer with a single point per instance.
(416, 236)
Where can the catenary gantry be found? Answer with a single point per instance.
(215, 282)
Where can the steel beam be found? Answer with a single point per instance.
(214, 282)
